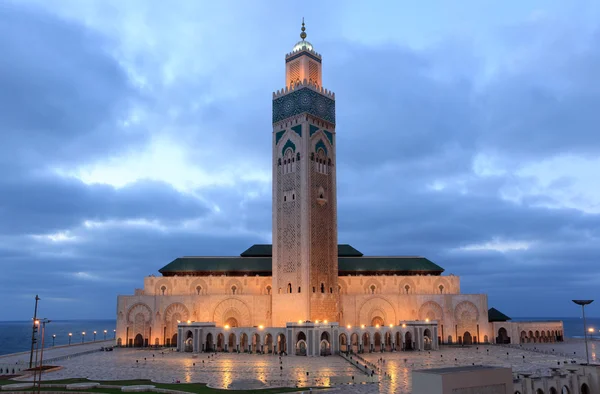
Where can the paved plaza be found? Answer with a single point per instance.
(225, 370)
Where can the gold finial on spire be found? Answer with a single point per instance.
(303, 34)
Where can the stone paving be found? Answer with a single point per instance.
(228, 370)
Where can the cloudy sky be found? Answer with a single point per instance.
(133, 132)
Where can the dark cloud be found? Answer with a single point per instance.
(45, 204)
(406, 119)
(63, 95)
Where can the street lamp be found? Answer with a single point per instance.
(114, 334)
(53, 338)
(82, 337)
(105, 335)
(94, 336)
(39, 368)
(70, 335)
(583, 303)
(591, 331)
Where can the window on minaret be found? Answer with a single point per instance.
(373, 289)
(269, 290)
(289, 287)
(198, 290)
(441, 289)
(314, 289)
(163, 289)
(233, 289)
(299, 289)
(407, 288)
(288, 161)
(321, 162)
(322, 288)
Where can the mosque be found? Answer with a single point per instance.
(306, 294)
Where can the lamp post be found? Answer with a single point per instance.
(34, 331)
(39, 383)
(114, 334)
(82, 337)
(94, 336)
(53, 338)
(70, 336)
(583, 303)
(591, 331)
(105, 335)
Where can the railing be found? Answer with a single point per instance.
(368, 368)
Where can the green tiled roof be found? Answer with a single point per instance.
(266, 250)
(222, 265)
(387, 264)
(256, 260)
(495, 315)
(258, 250)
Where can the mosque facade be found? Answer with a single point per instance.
(306, 294)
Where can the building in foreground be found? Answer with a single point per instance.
(305, 293)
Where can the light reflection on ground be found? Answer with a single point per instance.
(224, 370)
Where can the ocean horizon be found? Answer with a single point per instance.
(15, 336)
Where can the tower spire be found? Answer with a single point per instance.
(303, 34)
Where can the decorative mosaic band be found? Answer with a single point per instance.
(304, 100)
(304, 53)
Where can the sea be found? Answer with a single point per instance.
(15, 336)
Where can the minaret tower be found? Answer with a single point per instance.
(305, 260)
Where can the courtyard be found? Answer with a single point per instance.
(230, 370)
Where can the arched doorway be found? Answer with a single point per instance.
(523, 337)
(220, 342)
(388, 341)
(138, 341)
(377, 342)
(189, 342)
(325, 347)
(377, 321)
(301, 344)
(502, 337)
(343, 343)
(467, 338)
(565, 390)
(427, 339)
(231, 343)
(585, 389)
(244, 343)
(354, 343)
(256, 343)
(539, 391)
(398, 340)
(366, 342)
(281, 345)
(209, 342)
(553, 390)
(119, 342)
(269, 343)
(408, 341)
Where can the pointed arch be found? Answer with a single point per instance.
(404, 282)
(466, 311)
(431, 310)
(376, 307)
(232, 308)
(198, 283)
(139, 308)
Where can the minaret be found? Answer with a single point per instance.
(305, 261)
